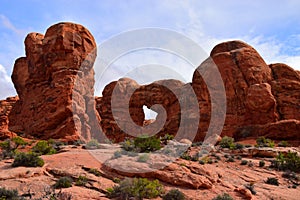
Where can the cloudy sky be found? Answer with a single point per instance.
(273, 28)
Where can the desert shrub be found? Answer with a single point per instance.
(81, 181)
(283, 144)
(92, 144)
(291, 175)
(239, 157)
(128, 145)
(195, 158)
(264, 142)
(174, 194)
(272, 181)
(143, 158)
(196, 144)
(262, 163)
(43, 148)
(227, 142)
(166, 138)
(116, 180)
(290, 161)
(201, 162)
(230, 159)
(117, 154)
(9, 147)
(63, 182)
(226, 156)
(28, 160)
(185, 156)
(239, 146)
(18, 141)
(95, 172)
(78, 142)
(250, 187)
(139, 188)
(9, 194)
(224, 196)
(244, 162)
(248, 145)
(147, 144)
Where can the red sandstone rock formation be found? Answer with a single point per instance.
(5, 108)
(55, 84)
(55, 87)
(257, 95)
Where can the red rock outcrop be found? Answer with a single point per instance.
(55, 84)
(257, 95)
(245, 76)
(5, 109)
(123, 116)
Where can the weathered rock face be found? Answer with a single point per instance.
(286, 89)
(55, 84)
(244, 73)
(257, 95)
(5, 109)
(123, 116)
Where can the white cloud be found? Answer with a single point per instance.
(6, 85)
(8, 24)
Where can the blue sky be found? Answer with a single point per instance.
(272, 27)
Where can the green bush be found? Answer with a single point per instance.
(143, 158)
(128, 145)
(244, 162)
(227, 142)
(283, 144)
(262, 163)
(139, 188)
(174, 194)
(18, 141)
(81, 181)
(272, 181)
(264, 142)
(291, 175)
(63, 182)
(224, 196)
(230, 159)
(28, 160)
(43, 148)
(10, 146)
(95, 172)
(92, 144)
(290, 161)
(239, 146)
(147, 144)
(9, 194)
(185, 156)
(166, 138)
(117, 154)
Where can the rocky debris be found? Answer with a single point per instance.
(5, 109)
(55, 85)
